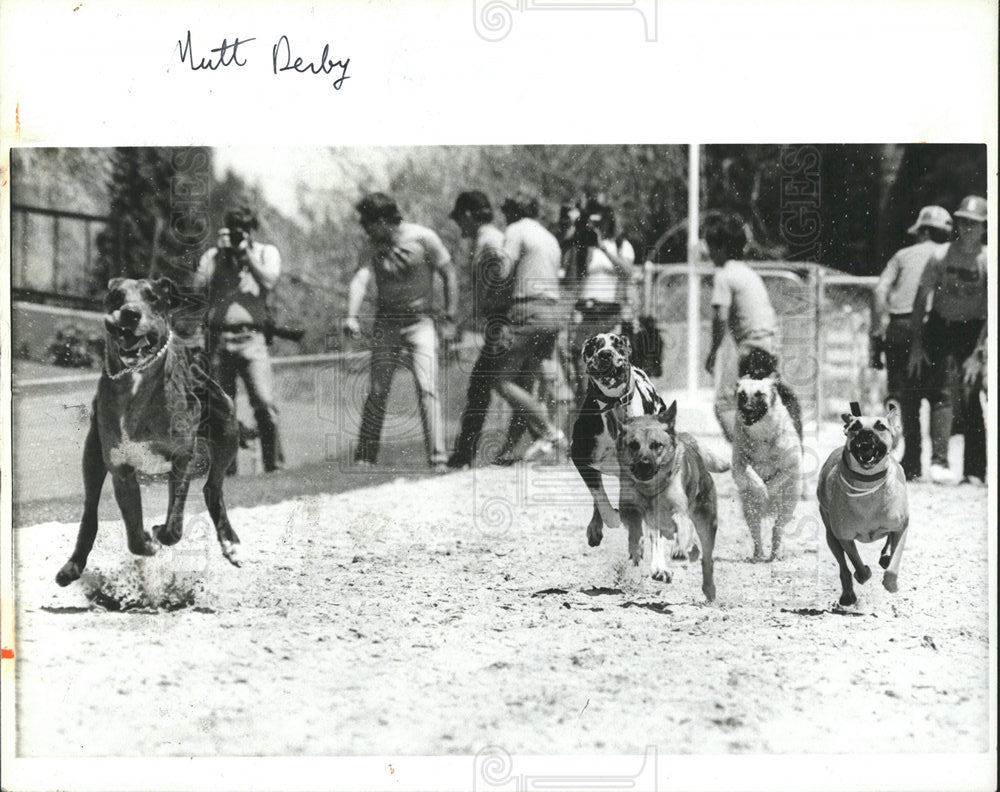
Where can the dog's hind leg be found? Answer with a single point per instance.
(847, 596)
(180, 478)
(784, 493)
(228, 540)
(94, 473)
(223, 454)
(220, 428)
(886, 555)
(706, 524)
(129, 499)
(891, 576)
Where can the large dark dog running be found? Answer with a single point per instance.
(616, 391)
(154, 412)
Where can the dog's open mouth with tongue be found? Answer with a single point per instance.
(867, 448)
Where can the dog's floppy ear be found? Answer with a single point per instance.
(669, 417)
(166, 292)
(626, 346)
(113, 285)
(893, 415)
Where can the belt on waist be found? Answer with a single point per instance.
(936, 317)
(906, 315)
(246, 327)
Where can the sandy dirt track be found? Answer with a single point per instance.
(440, 615)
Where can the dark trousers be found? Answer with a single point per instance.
(947, 344)
(906, 390)
(477, 404)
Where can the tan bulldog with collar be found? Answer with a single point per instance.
(862, 498)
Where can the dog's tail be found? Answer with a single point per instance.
(713, 461)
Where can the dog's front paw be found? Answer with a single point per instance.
(595, 531)
(847, 599)
(884, 560)
(863, 575)
(890, 582)
(708, 589)
(68, 573)
(635, 555)
(166, 537)
(659, 574)
(678, 553)
(142, 547)
(231, 552)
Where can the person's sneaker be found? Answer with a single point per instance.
(546, 446)
(975, 481)
(438, 468)
(459, 462)
(363, 464)
(942, 475)
(915, 477)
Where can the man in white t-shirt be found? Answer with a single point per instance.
(740, 302)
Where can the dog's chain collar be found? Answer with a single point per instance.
(618, 400)
(137, 368)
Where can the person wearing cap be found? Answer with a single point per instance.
(238, 274)
(491, 300)
(892, 323)
(531, 259)
(953, 330)
(403, 258)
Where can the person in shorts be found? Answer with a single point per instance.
(403, 258)
(954, 331)
(893, 324)
(740, 302)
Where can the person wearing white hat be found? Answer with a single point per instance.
(892, 331)
(955, 330)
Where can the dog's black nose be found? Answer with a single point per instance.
(129, 317)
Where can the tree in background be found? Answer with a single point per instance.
(139, 242)
(925, 173)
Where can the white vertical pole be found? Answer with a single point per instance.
(694, 281)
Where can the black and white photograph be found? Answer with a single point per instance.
(646, 455)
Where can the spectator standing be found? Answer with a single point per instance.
(238, 273)
(491, 301)
(603, 271)
(895, 294)
(532, 256)
(954, 331)
(403, 258)
(739, 301)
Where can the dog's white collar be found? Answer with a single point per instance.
(859, 484)
(140, 366)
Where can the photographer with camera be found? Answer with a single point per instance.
(238, 274)
(602, 268)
